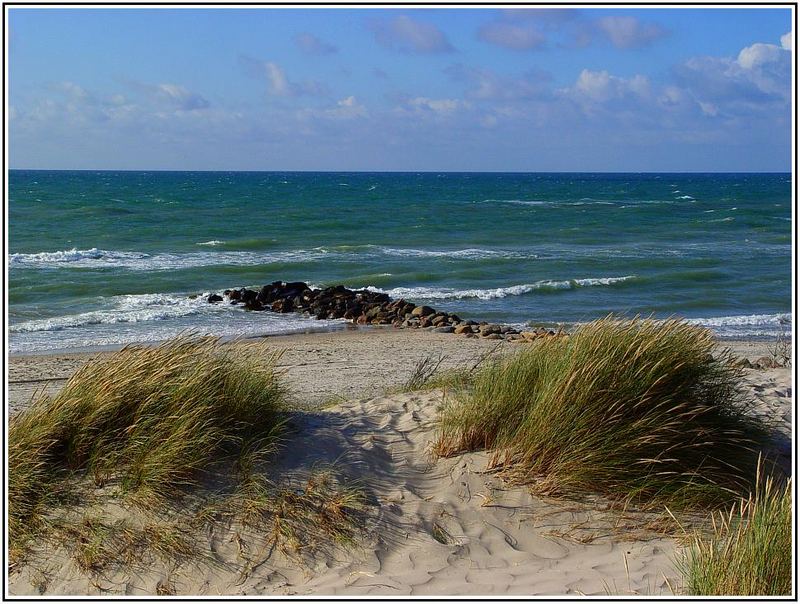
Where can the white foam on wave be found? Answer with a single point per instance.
(96, 258)
(123, 309)
(74, 255)
(469, 253)
(747, 325)
(431, 293)
(684, 196)
(780, 319)
(587, 201)
(151, 318)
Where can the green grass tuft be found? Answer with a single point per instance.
(636, 409)
(750, 550)
(146, 419)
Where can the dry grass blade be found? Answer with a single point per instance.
(749, 552)
(147, 418)
(423, 371)
(635, 409)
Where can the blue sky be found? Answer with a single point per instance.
(528, 89)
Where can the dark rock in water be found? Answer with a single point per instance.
(267, 294)
(282, 305)
(253, 305)
(296, 286)
(248, 295)
(364, 307)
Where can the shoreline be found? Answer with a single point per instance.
(351, 325)
(321, 366)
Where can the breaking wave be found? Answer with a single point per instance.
(432, 293)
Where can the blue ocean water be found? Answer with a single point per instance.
(99, 258)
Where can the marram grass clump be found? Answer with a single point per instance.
(147, 418)
(749, 552)
(635, 409)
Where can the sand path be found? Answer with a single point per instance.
(434, 527)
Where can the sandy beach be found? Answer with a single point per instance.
(442, 527)
(321, 368)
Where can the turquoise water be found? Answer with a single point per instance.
(99, 258)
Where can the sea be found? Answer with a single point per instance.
(99, 259)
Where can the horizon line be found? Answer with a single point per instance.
(405, 171)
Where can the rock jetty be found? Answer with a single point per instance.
(365, 307)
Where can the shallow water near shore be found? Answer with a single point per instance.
(105, 258)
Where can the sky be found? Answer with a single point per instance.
(411, 89)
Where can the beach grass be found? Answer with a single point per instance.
(428, 374)
(147, 420)
(301, 519)
(632, 409)
(749, 551)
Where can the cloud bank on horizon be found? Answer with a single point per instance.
(447, 89)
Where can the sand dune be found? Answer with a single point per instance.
(431, 527)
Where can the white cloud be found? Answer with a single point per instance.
(436, 105)
(786, 41)
(74, 91)
(312, 45)
(407, 35)
(486, 85)
(758, 54)
(709, 109)
(421, 106)
(600, 86)
(672, 96)
(512, 35)
(760, 75)
(278, 83)
(347, 108)
(629, 32)
(183, 98)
